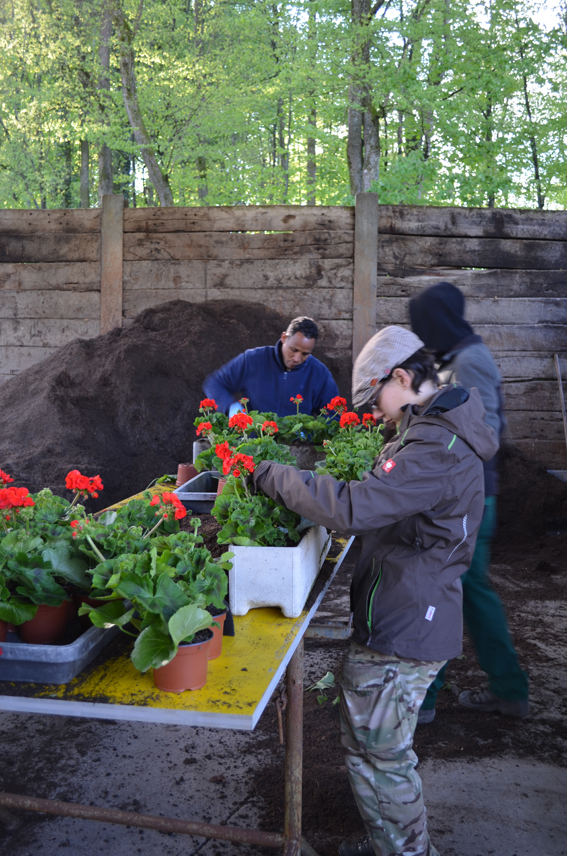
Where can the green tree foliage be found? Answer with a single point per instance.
(208, 102)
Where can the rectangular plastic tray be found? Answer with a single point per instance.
(51, 664)
(199, 493)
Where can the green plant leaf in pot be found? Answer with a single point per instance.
(67, 566)
(109, 614)
(153, 648)
(187, 621)
(16, 611)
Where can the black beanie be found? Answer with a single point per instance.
(437, 317)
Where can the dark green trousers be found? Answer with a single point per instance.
(485, 619)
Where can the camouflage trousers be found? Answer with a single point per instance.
(379, 702)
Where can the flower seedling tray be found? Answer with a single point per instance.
(277, 576)
(199, 493)
(51, 664)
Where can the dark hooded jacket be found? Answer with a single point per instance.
(437, 317)
(418, 512)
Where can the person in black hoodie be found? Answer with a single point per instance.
(437, 317)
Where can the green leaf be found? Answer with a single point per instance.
(187, 621)
(17, 611)
(69, 567)
(153, 648)
(109, 614)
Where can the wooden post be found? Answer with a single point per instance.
(111, 255)
(365, 270)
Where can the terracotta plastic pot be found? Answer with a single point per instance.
(187, 670)
(215, 649)
(47, 627)
(3, 631)
(220, 486)
(184, 473)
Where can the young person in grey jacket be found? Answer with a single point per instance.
(437, 316)
(418, 512)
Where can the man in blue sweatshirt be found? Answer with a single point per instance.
(270, 377)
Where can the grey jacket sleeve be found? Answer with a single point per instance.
(475, 369)
(417, 482)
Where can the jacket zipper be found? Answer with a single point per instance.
(371, 598)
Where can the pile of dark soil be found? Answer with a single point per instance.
(122, 405)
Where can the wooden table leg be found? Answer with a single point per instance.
(294, 754)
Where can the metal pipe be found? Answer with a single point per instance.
(146, 821)
(294, 754)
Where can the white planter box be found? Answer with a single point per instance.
(277, 576)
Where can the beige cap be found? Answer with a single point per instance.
(381, 354)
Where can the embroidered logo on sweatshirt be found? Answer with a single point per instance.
(389, 465)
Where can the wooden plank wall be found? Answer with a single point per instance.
(516, 293)
(510, 264)
(295, 259)
(49, 283)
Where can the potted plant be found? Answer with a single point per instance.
(161, 595)
(352, 451)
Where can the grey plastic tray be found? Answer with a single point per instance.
(199, 493)
(52, 664)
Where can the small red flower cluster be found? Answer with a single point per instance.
(14, 498)
(204, 428)
(76, 527)
(337, 403)
(240, 421)
(208, 404)
(170, 502)
(83, 484)
(348, 419)
(237, 460)
(298, 398)
(270, 427)
(369, 420)
(5, 478)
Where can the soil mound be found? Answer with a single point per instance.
(123, 404)
(529, 498)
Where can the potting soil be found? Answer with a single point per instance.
(122, 405)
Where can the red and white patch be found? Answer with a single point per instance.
(389, 465)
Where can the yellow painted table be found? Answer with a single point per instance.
(239, 686)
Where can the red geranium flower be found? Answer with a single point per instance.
(208, 404)
(337, 403)
(297, 398)
(369, 420)
(349, 419)
(83, 484)
(223, 450)
(204, 427)
(5, 478)
(240, 421)
(172, 503)
(15, 497)
(270, 427)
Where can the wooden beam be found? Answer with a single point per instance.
(51, 222)
(249, 218)
(111, 263)
(365, 270)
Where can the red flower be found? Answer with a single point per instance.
(15, 497)
(208, 403)
(337, 403)
(247, 461)
(227, 464)
(240, 421)
(171, 502)
(83, 484)
(368, 419)
(222, 450)
(349, 419)
(270, 427)
(236, 473)
(204, 427)
(297, 398)
(5, 478)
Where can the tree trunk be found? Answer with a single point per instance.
(133, 110)
(104, 154)
(311, 161)
(203, 188)
(85, 195)
(354, 141)
(371, 166)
